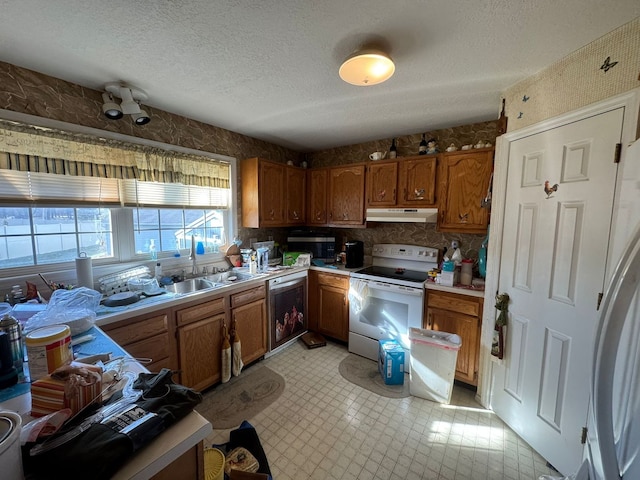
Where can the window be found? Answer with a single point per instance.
(31, 236)
(45, 235)
(170, 230)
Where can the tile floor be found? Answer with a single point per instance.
(324, 427)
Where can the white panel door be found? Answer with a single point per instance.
(552, 266)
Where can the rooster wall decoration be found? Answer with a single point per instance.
(549, 189)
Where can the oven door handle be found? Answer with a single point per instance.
(278, 283)
(417, 292)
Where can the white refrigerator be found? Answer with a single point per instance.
(612, 450)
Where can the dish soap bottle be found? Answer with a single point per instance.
(153, 255)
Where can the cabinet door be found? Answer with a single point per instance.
(346, 195)
(295, 195)
(382, 181)
(271, 194)
(199, 345)
(417, 182)
(317, 198)
(468, 328)
(333, 312)
(250, 321)
(465, 181)
(146, 336)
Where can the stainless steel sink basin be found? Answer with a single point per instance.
(193, 285)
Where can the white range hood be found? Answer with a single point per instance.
(407, 215)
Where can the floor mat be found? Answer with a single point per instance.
(228, 404)
(364, 373)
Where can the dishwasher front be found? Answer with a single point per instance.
(287, 309)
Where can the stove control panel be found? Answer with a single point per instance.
(405, 252)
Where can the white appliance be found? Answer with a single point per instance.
(386, 299)
(402, 215)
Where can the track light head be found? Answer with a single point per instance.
(141, 118)
(110, 108)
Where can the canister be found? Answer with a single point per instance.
(47, 349)
(466, 275)
(12, 327)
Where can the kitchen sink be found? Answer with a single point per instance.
(193, 285)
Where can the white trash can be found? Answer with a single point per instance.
(433, 363)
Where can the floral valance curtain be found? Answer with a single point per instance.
(25, 148)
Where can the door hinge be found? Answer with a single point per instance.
(600, 295)
(583, 436)
(616, 156)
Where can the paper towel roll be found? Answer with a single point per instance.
(84, 271)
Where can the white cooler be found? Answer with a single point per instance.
(433, 364)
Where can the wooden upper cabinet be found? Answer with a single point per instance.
(406, 182)
(346, 195)
(295, 194)
(465, 179)
(317, 196)
(382, 182)
(273, 194)
(417, 182)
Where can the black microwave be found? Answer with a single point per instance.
(320, 247)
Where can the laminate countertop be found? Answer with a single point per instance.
(154, 457)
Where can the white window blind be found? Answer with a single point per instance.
(16, 186)
(143, 194)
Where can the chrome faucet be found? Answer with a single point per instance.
(192, 257)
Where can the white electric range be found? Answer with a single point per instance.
(386, 299)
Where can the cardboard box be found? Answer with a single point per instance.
(50, 394)
(391, 362)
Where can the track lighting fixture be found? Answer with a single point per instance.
(130, 104)
(141, 118)
(110, 108)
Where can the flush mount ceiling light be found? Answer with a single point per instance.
(367, 67)
(130, 104)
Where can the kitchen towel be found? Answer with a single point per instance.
(84, 271)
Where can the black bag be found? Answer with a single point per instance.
(104, 447)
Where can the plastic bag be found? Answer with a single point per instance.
(75, 308)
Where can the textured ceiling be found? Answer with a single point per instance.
(268, 69)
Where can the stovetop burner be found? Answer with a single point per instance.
(394, 273)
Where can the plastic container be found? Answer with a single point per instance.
(47, 349)
(10, 451)
(466, 272)
(433, 364)
(213, 464)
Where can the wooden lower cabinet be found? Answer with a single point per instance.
(329, 304)
(147, 336)
(460, 314)
(249, 317)
(199, 333)
(189, 465)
